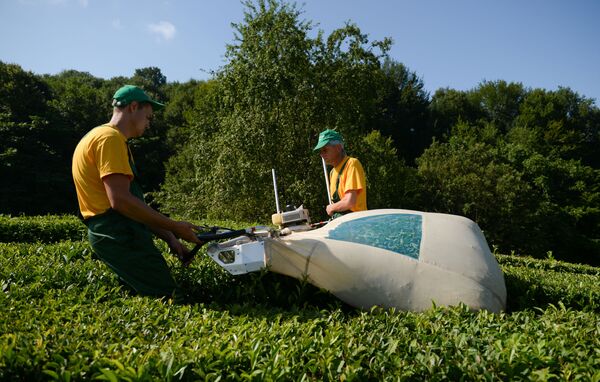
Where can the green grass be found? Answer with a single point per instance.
(65, 317)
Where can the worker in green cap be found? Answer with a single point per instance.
(347, 181)
(120, 224)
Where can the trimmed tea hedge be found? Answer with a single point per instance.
(65, 317)
(52, 228)
(538, 283)
(46, 229)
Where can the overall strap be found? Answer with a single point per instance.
(336, 196)
(135, 188)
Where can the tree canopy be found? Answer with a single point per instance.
(523, 163)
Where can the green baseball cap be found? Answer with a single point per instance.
(129, 93)
(328, 136)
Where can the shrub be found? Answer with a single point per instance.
(47, 229)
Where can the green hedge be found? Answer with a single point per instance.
(65, 317)
(45, 229)
(532, 282)
(54, 228)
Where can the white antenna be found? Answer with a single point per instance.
(275, 186)
(326, 180)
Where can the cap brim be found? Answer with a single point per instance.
(156, 105)
(320, 145)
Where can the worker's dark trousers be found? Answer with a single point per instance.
(126, 246)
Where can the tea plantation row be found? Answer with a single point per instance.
(64, 316)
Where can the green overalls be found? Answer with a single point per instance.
(127, 247)
(336, 196)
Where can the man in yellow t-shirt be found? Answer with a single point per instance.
(120, 224)
(347, 181)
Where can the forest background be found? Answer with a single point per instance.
(521, 162)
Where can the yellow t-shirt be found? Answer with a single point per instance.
(353, 178)
(101, 152)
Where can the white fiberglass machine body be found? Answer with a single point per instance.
(392, 258)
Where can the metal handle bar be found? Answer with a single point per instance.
(211, 235)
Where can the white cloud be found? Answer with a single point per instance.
(164, 30)
(116, 24)
(84, 3)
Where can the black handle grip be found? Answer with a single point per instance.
(205, 237)
(212, 235)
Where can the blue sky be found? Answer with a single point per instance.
(448, 43)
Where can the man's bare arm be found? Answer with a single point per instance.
(347, 203)
(121, 200)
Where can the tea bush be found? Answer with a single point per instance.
(538, 283)
(65, 317)
(47, 229)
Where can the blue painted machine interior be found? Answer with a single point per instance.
(400, 233)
